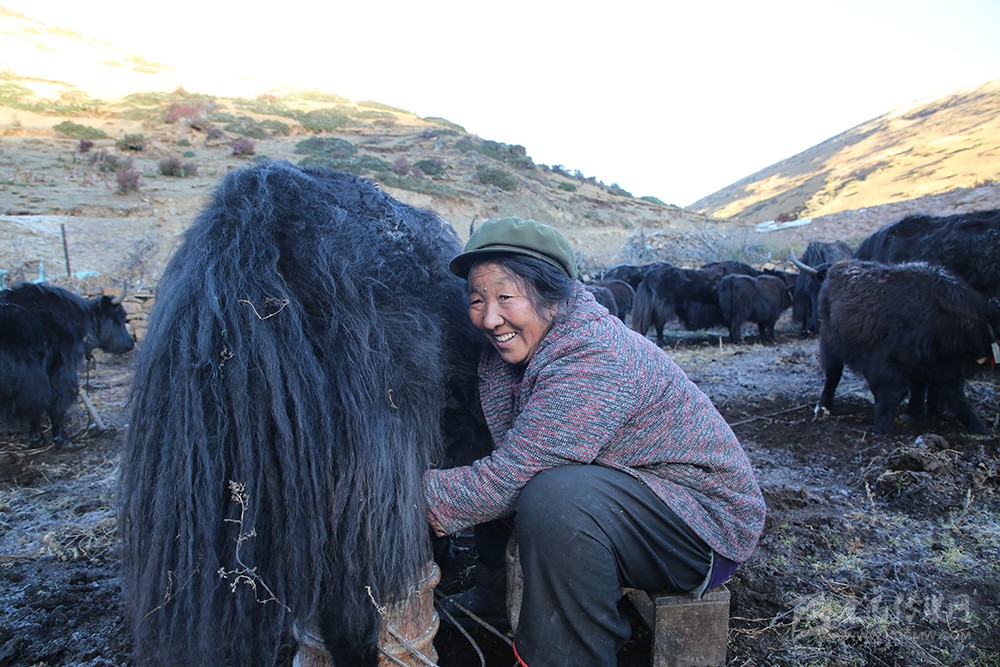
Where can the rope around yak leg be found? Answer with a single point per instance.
(465, 633)
(478, 620)
(381, 609)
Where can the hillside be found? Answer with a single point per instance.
(48, 77)
(75, 111)
(927, 148)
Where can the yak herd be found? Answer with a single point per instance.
(309, 356)
(914, 310)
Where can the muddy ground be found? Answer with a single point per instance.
(877, 550)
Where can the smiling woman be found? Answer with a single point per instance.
(500, 307)
(513, 301)
(609, 466)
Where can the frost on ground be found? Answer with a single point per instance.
(877, 550)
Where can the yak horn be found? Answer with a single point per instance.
(802, 267)
(124, 292)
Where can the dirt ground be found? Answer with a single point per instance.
(877, 550)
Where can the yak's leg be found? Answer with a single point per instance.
(35, 428)
(736, 332)
(915, 404)
(833, 370)
(953, 395)
(888, 396)
(766, 331)
(59, 437)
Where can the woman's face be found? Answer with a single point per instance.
(499, 307)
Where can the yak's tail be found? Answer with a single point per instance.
(283, 409)
(644, 307)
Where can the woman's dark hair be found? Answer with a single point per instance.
(548, 286)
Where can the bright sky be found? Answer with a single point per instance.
(670, 99)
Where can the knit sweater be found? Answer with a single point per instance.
(596, 392)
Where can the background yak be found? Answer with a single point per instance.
(907, 327)
(630, 273)
(45, 334)
(306, 345)
(690, 295)
(967, 244)
(815, 262)
(759, 299)
(621, 292)
(603, 296)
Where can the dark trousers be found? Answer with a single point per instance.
(584, 532)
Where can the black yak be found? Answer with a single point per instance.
(815, 262)
(967, 244)
(621, 292)
(603, 296)
(759, 299)
(697, 303)
(46, 332)
(905, 327)
(307, 344)
(667, 291)
(656, 299)
(630, 273)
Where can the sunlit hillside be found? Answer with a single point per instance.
(927, 148)
(75, 112)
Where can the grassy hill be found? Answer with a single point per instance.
(48, 79)
(102, 148)
(928, 148)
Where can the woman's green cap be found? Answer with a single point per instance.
(520, 237)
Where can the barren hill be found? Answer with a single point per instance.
(103, 186)
(927, 148)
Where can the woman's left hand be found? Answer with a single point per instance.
(435, 526)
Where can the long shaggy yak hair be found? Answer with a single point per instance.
(307, 343)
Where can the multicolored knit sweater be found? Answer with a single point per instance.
(596, 392)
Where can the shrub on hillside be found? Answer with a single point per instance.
(431, 167)
(243, 146)
(174, 166)
(414, 184)
(78, 131)
(444, 122)
(214, 134)
(324, 120)
(128, 179)
(318, 96)
(378, 105)
(401, 166)
(326, 147)
(498, 177)
(514, 155)
(132, 142)
(175, 111)
(107, 163)
(276, 127)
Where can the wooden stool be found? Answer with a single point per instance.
(686, 632)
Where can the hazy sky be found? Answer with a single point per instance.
(670, 99)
